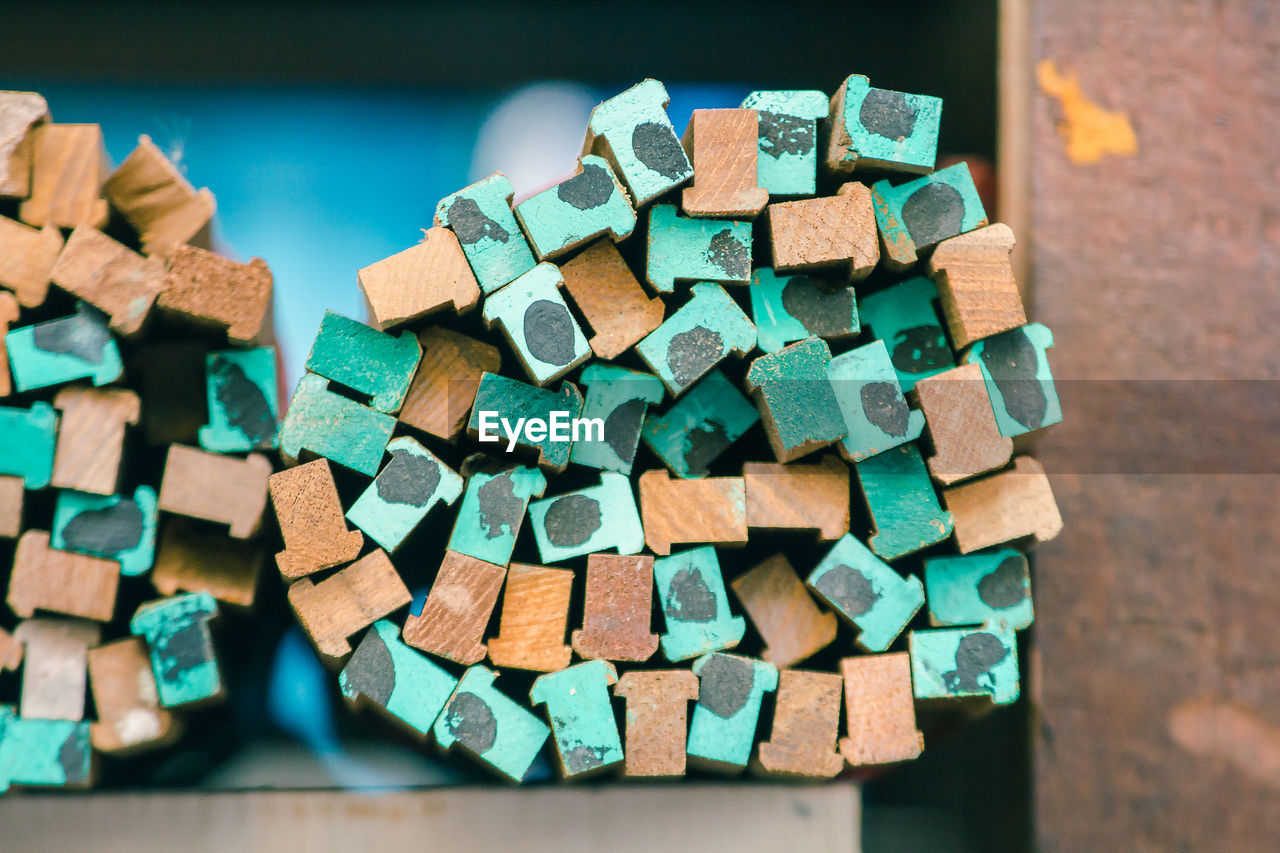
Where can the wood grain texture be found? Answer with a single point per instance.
(130, 718)
(212, 291)
(1005, 507)
(722, 146)
(312, 525)
(457, 610)
(657, 720)
(799, 496)
(11, 495)
(791, 624)
(806, 721)
(976, 287)
(961, 425)
(616, 610)
(158, 201)
(59, 581)
(53, 667)
(91, 437)
(348, 600)
(607, 293)
(195, 557)
(223, 489)
(880, 714)
(20, 112)
(109, 276)
(67, 167)
(423, 279)
(535, 613)
(836, 232)
(27, 256)
(713, 509)
(440, 396)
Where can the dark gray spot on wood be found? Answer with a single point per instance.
(184, 649)
(588, 189)
(371, 671)
(822, 311)
(703, 444)
(1011, 359)
(655, 145)
(499, 507)
(887, 114)
(933, 213)
(783, 134)
(884, 406)
(583, 757)
(1005, 586)
(408, 479)
(920, 349)
(691, 354)
(104, 532)
(471, 722)
(245, 405)
(688, 597)
(71, 757)
(622, 427)
(848, 589)
(548, 332)
(471, 225)
(724, 684)
(83, 335)
(571, 520)
(975, 655)
(729, 254)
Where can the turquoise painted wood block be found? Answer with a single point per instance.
(790, 308)
(480, 215)
(883, 129)
(904, 317)
(953, 663)
(797, 399)
(920, 214)
(871, 401)
(697, 337)
(695, 605)
(633, 131)
(903, 504)
(491, 726)
(866, 592)
(581, 715)
(787, 162)
(412, 482)
(181, 648)
(115, 527)
(619, 398)
(332, 426)
(588, 521)
(243, 401)
(365, 360)
(492, 511)
(402, 680)
(731, 690)
(700, 426)
(989, 587)
(538, 324)
(29, 437)
(44, 753)
(498, 397)
(1015, 365)
(577, 210)
(689, 249)
(79, 346)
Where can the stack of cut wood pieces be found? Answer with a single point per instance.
(874, 324)
(135, 406)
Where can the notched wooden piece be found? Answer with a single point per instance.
(243, 396)
(157, 200)
(797, 399)
(722, 146)
(632, 131)
(882, 129)
(1015, 365)
(619, 398)
(792, 625)
(480, 215)
(196, 557)
(697, 337)
(440, 396)
(905, 514)
(677, 512)
(20, 114)
(880, 711)
(975, 281)
(989, 587)
(432, 276)
(67, 165)
(223, 489)
(806, 721)
(11, 495)
(386, 673)
(91, 437)
(607, 293)
(44, 753)
(866, 592)
(730, 692)
(787, 159)
(965, 663)
(180, 644)
(109, 276)
(27, 258)
(695, 605)
(53, 666)
(117, 527)
(695, 249)
(873, 407)
(412, 482)
(535, 613)
(791, 308)
(581, 715)
(31, 435)
(10, 652)
(903, 317)
(490, 726)
(657, 720)
(347, 601)
(367, 361)
(77, 346)
(498, 397)
(493, 508)
(538, 325)
(61, 582)
(1011, 505)
(130, 719)
(588, 204)
(615, 613)
(700, 426)
(457, 610)
(835, 232)
(335, 427)
(211, 291)
(311, 521)
(799, 496)
(919, 214)
(962, 426)
(589, 520)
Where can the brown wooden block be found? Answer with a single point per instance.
(195, 557)
(59, 581)
(53, 667)
(457, 610)
(617, 610)
(806, 721)
(27, 256)
(91, 437)
(722, 146)
(790, 622)
(224, 489)
(440, 396)
(20, 113)
(880, 710)
(10, 651)
(130, 718)
(535, 613)
(8, 316)
(1004, 507)
(419, 281)
(976, 286)
(109, 276)
(157, 200)
(68, 162)
(609, 296)
(962, 425)
(835, 232)
(213, 291)
(11, 494)
(799, 496)
(678, 511)
(657, 720)
(311, 521)
(347, 601)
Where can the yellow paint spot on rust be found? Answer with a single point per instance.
(1230, 733)
(1090, 130)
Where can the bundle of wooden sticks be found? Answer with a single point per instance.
(891, 339)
